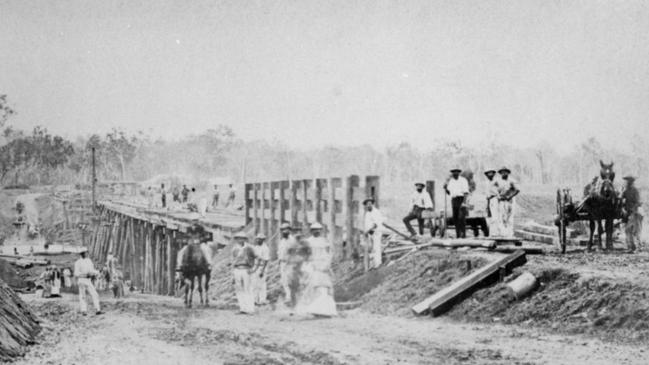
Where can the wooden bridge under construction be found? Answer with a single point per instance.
(146, 240)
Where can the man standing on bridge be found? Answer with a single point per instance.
(243, 260)
(632, 216)
(84, 271)
(163, 196)
(419, 201)
(507, 190)
(458, 188)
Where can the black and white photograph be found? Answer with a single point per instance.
(324, 182)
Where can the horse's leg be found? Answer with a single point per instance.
(609, 233)
(191, 291)
(207, 286)
(591, 224)
(200, 287)
(187, 302)
(600, 230)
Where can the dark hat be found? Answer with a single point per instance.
(456, 170)
(419, 183)
(505, 169)
(629, 178)
(491, 171)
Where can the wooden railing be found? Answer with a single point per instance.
(336, 203)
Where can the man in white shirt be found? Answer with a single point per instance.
(374, 231)
(419, 201)
(84, 271)
(458, 188)
(493, 221)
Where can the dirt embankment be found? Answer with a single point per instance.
(18, 324)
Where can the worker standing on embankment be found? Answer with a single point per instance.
(84, 271)
(632, 216)
(492, 203)
(374, 230)
(458, 188)
(507, 190)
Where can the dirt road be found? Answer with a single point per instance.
(145, 329)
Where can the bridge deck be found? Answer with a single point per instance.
(221, 219)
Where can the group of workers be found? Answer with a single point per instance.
(305, 271)
(189, 197)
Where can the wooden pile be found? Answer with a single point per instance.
(18, 324)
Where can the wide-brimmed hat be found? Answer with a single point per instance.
(419, 183)
(456, 169)
(284, 226)
(505, 169)
(240, 235)
(83, 250)
(261, 236)
(490, 171)
(629, 178)
(316, 225)
(370, 199)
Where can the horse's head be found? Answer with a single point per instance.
(607, 190)
(606, 171)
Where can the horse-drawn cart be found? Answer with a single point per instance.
(604, 204)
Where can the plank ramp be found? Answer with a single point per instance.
(444, 299)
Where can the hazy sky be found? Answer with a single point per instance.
(318, 72)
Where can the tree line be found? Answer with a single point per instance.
(39, 157)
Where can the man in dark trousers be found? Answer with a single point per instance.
(419, 202)
(185, 193)
(458, 188)
(632, 217)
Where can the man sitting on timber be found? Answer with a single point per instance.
(374, 231)
(458, 188)
(420, 201)
(84, 271)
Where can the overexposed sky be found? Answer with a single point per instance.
(345, 72)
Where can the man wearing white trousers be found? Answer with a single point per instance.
(493, 214)
(84, 271)
(258, 278)
(374, 231)
(243, 261)
(286, 242)
(507, 190)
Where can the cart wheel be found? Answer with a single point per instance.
(442, 227)
(561, 223)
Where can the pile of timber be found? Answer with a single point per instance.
(24, 261)
(18, 324)
(535, 232)
(496, 244)
(444, 299)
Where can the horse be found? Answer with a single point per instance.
(194, 265)
(601, 202)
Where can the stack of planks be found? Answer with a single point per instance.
(18, 324)
(535, 232)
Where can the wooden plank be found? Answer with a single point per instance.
(534, 227)
(536, 237)
(527, 250)
(444, 299)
